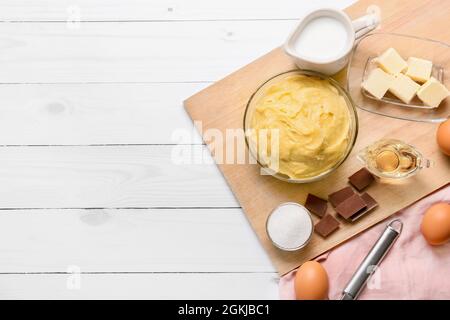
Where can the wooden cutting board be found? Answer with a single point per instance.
(221, 106)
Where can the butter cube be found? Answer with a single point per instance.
(432, 93)
(391, 62)
(378, 83)
(404, 88)
(419, 69)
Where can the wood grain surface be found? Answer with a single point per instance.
(117, 52)
(89, 116)
(258, 195)
(183, 286)
(121, 176)
(133, 240)
(93, 104)
(158, 10)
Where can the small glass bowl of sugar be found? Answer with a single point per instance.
(289, 226)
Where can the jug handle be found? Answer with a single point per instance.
(365, 24)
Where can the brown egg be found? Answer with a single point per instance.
(443, 137)
(311, 282)
(436, 224)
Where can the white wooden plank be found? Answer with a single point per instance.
(133, 51)
(110, 10)
(121, 240)
(133, 113)
(163, 240)
(140, 286)
(105, 176)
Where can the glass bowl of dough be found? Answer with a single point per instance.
(300, 126)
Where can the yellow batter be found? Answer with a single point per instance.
(313, 122)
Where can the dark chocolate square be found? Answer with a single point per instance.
(316, 205)
(337, 197)
(351, 206)
(361, 179)
(371, 203)
(326, 225)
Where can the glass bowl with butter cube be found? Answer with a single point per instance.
(401, 76)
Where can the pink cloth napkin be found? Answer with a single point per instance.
(412, 269)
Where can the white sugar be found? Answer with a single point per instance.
(290, 226)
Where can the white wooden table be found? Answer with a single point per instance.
(91, 205)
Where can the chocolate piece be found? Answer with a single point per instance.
(351, 206)
(337, 197)
(326, 225)
(371, 203)
(316, 205)
(361, 179)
